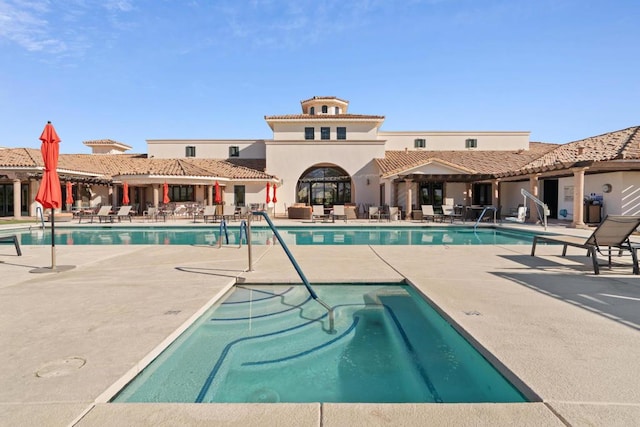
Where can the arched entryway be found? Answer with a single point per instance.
(326, 185)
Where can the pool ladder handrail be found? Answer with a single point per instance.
(39, 211)
(304, 279)
(486, 208)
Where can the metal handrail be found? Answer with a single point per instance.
(39, 209)
(539, 204)
(304, 279)
(486, 208)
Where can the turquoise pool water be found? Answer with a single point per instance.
(291, 235)
(268, 343)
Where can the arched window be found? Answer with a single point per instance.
(324, 185)
(325, 109)
(312, 110)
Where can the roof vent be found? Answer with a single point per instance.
(580, 151)
(406, 150)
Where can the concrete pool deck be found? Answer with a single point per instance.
(70, 339)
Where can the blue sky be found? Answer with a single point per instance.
(132, 70)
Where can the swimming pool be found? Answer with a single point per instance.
(291, 235)
(270, 343)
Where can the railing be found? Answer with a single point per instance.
(487, 208)
(39, 210)
(304, 279)
(539, 204)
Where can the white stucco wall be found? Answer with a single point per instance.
(455, 140)
(205, 148)
(288, 161)
(294, 130)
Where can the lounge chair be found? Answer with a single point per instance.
(612, 234)
(104, 213)
(374, 212)
(229, 212)
(429, 214)
(209, 213)
(153, 213)
(448, 211)
(123, 212)
(318, 213)
(13, 239)
(338, 212)
(394, 213)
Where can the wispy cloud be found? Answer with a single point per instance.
(61, 29)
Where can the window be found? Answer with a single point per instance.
(336, 110)
(471, 143)
(325, 133)
(234, 151)
(342, 133)
(325, 109)
(420, 143)
(190, 151)
(238, 195)
(324, 186)
(312, 110)
(181, 193)
(309, 133)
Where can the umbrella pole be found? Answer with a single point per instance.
(53, 239)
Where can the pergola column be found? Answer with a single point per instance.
(156, 195)
(409, 199)
(578, 196)
(17, 199)
(495, 190)
(114, 195)
(209, 195)
(533, 189)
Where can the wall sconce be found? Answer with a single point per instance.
(367, 181)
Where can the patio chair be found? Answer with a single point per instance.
(153, 213)
(13, 239)
(374, 212)
(229, 212)
(429, 214)
(209, 213)
(318, 213)
(394, 213)
(104, 213)
(338, 212)
(123, 212)
(448, 211)
(612, 234)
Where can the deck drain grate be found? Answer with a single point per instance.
(173, 312)
(473, 313)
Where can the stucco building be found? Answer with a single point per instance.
(325, 154)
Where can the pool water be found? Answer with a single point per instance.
(270, 343)
(291, 235)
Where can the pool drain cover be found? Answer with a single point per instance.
(264, 395)
(60, 368)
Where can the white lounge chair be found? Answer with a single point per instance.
(612, 234)
(318, 213)
(104, 213)
(374, 212)
(338, 212)
(123, 212)
(209, 213)
(429, 214)
(448, 211)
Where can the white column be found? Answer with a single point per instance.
(209, 195)
(17, 199)
(533, 189)
(409, 199)
(578, 198)
(156, 197)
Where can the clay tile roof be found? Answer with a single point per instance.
(623, 144)
(315, 98)
(20, 157)
(473, 162)
(196, 168)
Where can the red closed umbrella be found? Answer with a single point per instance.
(125, 194)
(69, 193)
(218, 197)
(165, 196)
(268, 197)
(274, 194)
(50, 194)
